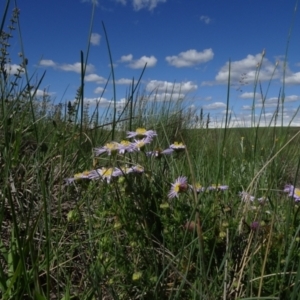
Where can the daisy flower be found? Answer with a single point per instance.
(293, 192)
(125, 146)
(197, 187)
(137, 169)
(126, 170)
(177, 146)
(140, 144)
(141, 132)
(78, 176)
(105, 174)
(158, 153)
(179, 186)
(110, 148)
(218, 187)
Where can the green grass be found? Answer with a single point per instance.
(126, 239)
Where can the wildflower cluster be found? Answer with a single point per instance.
(180, 185)
(135, 141)
(292, 192)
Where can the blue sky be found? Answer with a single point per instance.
(187, 45)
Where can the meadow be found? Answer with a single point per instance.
(146, 201)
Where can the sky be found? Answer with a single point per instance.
(188, 46)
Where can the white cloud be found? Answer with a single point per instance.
(98, 90)
(166, 96)
(249, 95)
(246, 107)
(95, 39)
(103, 102)
(47, 63)
(249, 68)
(140, 4)
(293, 78)
(205, 19)
(13, 69)
(126, 58)
(139, 63)
(216, 105)
(224, 112)
(190, 58)
(291, 98)
(95, 78)
(165, 86)
(76, 67)
(124, 81)
(148, 4)
(40, 93)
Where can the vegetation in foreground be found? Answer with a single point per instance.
(146, 205)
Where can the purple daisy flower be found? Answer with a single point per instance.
(197, 187)
(293, 192)
(109, 148)
(138, 145)
(179, 186)
(78, 176)
(218, 187)
(178, 147)
(158, 153)
(141, 132)
(125, 146)
(105, 174)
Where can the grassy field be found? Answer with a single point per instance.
(178, 211)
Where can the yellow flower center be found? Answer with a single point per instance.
(112, 146)
(140, 131)
(177, 144)
(198, 186)
(297, 192)
(107, 172)
(179, 188)
(125, 143)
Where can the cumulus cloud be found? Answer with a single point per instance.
(249, 95)
(95, 39)
(139, 63)
(98, 90)
(205, 19)
(95, 78)
(166, 97)
(103, 102)
(249, 68)
(190, 58)
(124, 81)
(215, 105)
(293, 78)
(127, 58)
(40, 93)
(165, 86)
(13, 69)
(76, 67)
(47, 63)
(140, 4)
